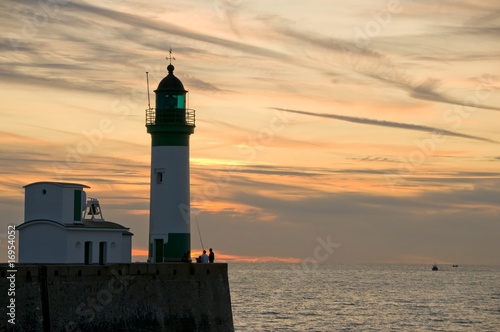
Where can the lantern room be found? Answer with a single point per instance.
(170, 103)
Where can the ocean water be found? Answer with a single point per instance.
(290, 297)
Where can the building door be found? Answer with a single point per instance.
(103, 253)
(158, 250)
(88, 252)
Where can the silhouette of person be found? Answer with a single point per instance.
(211, 256)
(204, 257)
(186, 257)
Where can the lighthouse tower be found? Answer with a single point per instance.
(170, 125)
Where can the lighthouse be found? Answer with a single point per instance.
(170, 125)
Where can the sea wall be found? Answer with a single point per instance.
(118, 297)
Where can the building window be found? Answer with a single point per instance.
(170, 101)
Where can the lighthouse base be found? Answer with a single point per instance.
(121, 297)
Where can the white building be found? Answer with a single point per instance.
(62, 226)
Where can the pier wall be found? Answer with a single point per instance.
(119, 297)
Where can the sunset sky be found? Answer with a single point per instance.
(326, 131)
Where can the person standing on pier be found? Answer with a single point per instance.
(211, 256)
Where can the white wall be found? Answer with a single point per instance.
(38, 205)
(116, 253)
(165, 215)
(57, 203)
(127, 248)
(42, 242)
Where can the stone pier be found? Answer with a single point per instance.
(119, 297)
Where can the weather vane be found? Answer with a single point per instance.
(170, 57)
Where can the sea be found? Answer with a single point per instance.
(330, 297)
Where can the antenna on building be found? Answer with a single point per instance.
(147, 82)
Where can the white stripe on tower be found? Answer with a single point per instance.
(169, 190)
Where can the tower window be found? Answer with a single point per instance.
(159, 175)
(171, 101)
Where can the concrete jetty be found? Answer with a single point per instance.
(119, 297)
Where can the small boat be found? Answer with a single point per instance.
(455, 265)
(434, 267)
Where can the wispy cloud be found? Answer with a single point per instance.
(429, 90)
(384, 123)
(141, 22)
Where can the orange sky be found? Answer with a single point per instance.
(142, 255)
(372, 123)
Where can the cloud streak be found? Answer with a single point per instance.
(428, 90)
(391, 124)
(137, 21)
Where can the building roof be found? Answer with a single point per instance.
(85, 225)
(171, 83)
(61, 184)
(96, 224)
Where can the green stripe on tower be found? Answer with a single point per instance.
(178, 244)
(170, 135)
(170, 139)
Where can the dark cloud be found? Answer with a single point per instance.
(458, 57)
(196, 83)
(274, 171)
(17, 75)
(340, 46)
(429, 90)
(88, 25)
(139, 22)
(377, 159)
(384, 123)
(429, 223)
(489, 16)
(479, 174)
(377, 63)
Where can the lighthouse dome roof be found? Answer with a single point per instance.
(170, 82)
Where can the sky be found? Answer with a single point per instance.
(326, 131)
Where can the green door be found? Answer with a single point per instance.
(158, 250)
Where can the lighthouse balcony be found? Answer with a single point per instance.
(183, 117)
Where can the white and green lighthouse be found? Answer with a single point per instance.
(170, 125)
